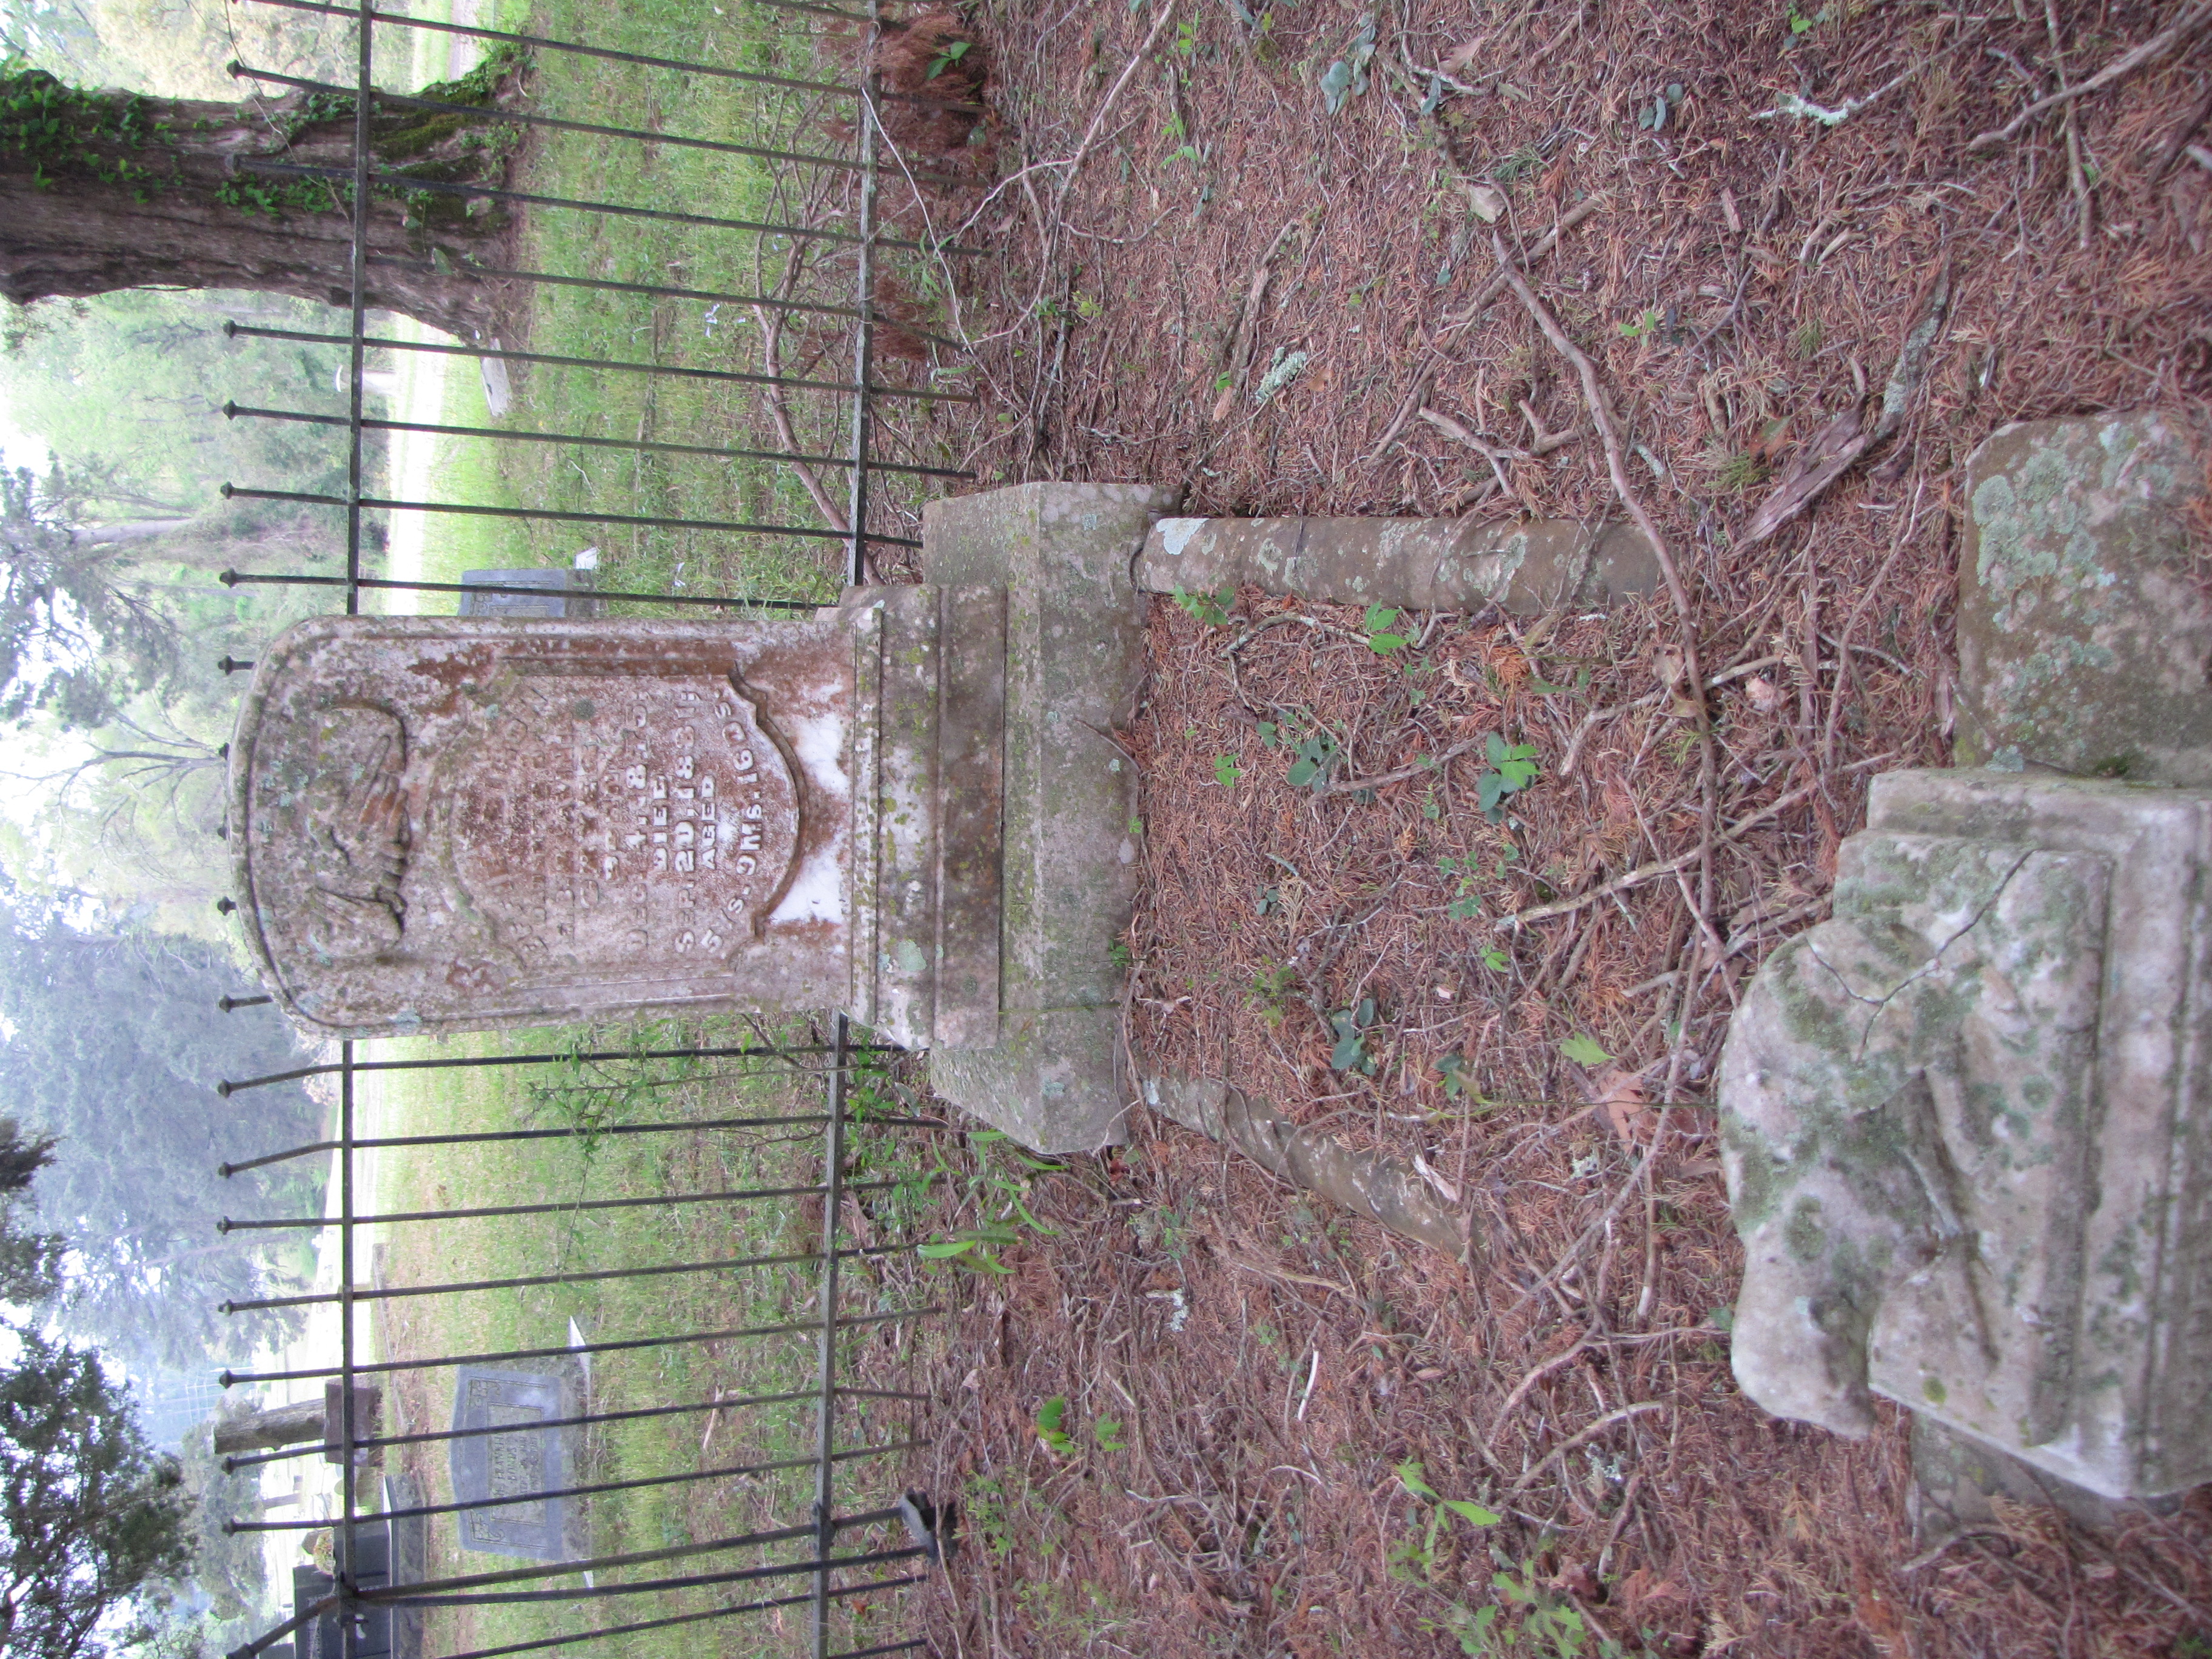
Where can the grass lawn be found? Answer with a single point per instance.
(586, 323)
(594, 1167)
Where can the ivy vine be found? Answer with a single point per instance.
(57, 128)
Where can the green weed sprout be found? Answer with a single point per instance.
(1512, 769)
(1212, 609)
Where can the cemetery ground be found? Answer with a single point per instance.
(1270, 280)
(1251, 252)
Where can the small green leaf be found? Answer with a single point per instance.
(1473, 1512)
(1226, 771)
(1335, 85)
(1584, 1051)
(1410, 1472)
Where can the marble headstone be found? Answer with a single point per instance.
(451, 824)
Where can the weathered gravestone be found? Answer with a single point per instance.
(514, 1473)
(911, 805)
(1968, 1121)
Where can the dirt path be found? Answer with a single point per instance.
(1246, 293)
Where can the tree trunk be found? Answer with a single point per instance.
(113, 190)
(283, 1425)
(310, 1419)
(126, 530)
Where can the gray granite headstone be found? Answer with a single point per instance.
(524, 1463)
(559, 593)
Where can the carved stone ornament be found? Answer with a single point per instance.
(1966, 1129)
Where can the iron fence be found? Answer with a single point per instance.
(393, 1583)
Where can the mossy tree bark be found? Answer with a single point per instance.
(104, 190)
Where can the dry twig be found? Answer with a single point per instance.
(2191, 19)
(1686, 621)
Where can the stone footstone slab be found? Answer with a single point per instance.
(1414, 564)
(2084, 629)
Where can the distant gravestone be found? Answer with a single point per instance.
(382, 1633)
(525, 1462)
(557, 592)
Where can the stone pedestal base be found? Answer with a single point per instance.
(1074, 653)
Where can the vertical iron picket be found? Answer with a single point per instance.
(356, 1591)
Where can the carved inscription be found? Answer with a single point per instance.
(510, 1480)
(643, 821)
(515, 1464)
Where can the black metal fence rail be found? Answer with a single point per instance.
(843, 1551)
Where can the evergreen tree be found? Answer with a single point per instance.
(113, 1047)
(93, 1524)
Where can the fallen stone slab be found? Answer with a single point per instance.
(1966, 1120)
(1412, 564)
(1966, 1133)
(1380, 1188)
(2085, 630)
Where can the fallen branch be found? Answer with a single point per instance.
(1429, 764)
(1829, 454)
(1248, 322)
(1549, 241)
(1452, 428)
(1791, 104)
(2193, 19)
(1541, 442)
(1413, 400)
(1837, 446)
(1584, 1437)
(2177, 140)
(772, 395)
(1091, 134)
(1652, 871)
(1645, 873)
(1601, 417)
(1426, 378)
